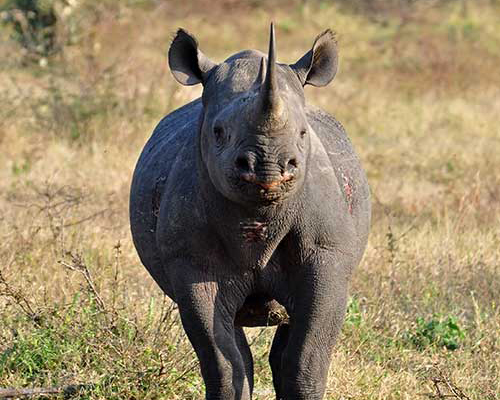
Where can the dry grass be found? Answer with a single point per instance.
(418, 94)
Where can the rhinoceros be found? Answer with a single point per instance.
(249, 207)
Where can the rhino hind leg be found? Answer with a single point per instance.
(244, 348)
(280, 341)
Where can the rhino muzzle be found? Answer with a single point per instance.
(259, 179)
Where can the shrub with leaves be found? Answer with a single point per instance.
(436, 332)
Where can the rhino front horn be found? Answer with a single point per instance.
(271, 103)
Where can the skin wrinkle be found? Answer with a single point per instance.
(192, 231)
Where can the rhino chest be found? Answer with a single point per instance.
(251, 243)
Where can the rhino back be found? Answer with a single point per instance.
(171, 144)
(347, 167)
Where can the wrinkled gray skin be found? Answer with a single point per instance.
(247, 203)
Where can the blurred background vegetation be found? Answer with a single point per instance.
(84, 82)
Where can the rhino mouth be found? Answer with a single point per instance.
(267, 194)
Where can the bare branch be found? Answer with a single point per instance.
(79, 266)
(67, 391)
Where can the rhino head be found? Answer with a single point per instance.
(254, 134)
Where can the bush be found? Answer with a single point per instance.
(33, 24)
(437, 332)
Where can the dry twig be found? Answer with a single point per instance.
(77, 264)
(66, 391)
(452, 390)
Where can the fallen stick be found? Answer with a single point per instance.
(70, 390)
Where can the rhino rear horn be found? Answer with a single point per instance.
(187, 63)
(319, 65)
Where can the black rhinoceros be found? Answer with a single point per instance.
(250, 208)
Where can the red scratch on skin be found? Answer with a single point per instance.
(348, 190)
(254, 231)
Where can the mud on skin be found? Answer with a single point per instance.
(250, 208)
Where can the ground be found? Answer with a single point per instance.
(418, 93)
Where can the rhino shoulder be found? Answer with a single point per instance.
(346, 165)
(177, 122)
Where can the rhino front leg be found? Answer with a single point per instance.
(319, 297)
(207, 316)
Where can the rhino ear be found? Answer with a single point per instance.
(319, 65)
(187, 63)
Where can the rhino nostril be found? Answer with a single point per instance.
(242, 164)
(292, 164)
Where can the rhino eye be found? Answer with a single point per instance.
(303, 133)
(219, 134)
